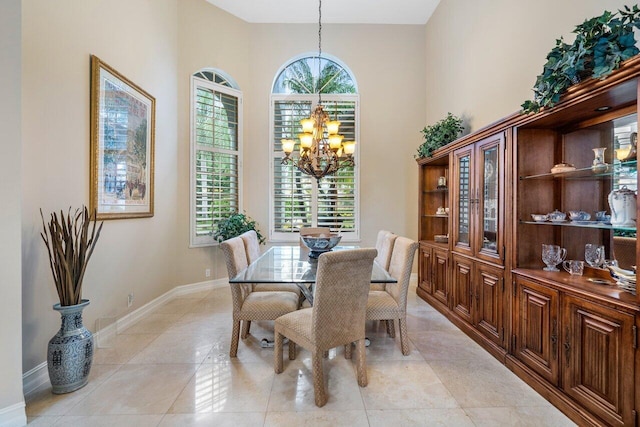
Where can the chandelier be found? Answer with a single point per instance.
(322, 151)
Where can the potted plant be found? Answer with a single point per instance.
(234, 225)
(70, 241)
(601, 44)
(440, 134)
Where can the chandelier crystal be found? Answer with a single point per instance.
(322, 149)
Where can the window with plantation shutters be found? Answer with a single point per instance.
(215, 148)
(298, 200)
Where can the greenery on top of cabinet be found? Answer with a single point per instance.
(601, 44)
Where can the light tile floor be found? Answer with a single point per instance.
(173, 368)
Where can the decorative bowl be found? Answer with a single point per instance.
(319, 243)
(441, 238)
(562, 167)
(579, 216)
(556, 216)
(539, 217)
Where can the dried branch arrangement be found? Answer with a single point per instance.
(70, 242)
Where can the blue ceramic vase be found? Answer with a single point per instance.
(70, 351)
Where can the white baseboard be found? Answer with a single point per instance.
(131, 318)
(13, 416)
(38, 376)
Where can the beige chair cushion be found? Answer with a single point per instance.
(391, 304)
(252, 249)
(384, 245)
(251, 245)
(336, 318)
(249, 305)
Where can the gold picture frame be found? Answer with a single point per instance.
(122, 145)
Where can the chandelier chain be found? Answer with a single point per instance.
(319, 50)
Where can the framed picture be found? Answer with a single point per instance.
(122, 145)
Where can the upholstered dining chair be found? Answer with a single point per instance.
(384, 245)
(336, 318)
(391, 303)
(249, 305)
(252, 249)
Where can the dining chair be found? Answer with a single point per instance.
(249, 305)
(252, 249)
(384, 245)
(391, 303)
(336, 318)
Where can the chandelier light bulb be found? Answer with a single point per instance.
(349, 147)
(287, 145)
(335, 141)
(308, 125)
(333, 127)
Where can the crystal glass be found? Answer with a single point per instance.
(594, 255)
(552, 255)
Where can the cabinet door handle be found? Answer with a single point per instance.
(567, 346)
(554, 339)
(477, 201)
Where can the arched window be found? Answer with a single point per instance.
(216, 141)
(297, 200)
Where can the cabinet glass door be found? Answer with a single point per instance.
(464, 199)
(490, 199)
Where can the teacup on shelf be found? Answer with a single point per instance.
(539, 217)
(579, 216)
(556, 216)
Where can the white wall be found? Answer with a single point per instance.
(484, 55)
(388, 64)
(139, 39)
(208, 38)
(477, 59)
(158, 45)
(11, 400)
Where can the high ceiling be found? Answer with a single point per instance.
(333, 11)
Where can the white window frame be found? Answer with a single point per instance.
(201, 241)
(274, 148)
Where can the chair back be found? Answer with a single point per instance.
(305, 231)
(384, 245)
(340, 296)
(251, 245)
(235, 258)
(404, 250)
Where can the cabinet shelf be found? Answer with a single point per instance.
(599, 225)
(619, 168)
(436, 191)
(435, 216)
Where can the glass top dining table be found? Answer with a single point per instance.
(291, 264)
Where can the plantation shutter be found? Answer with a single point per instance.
(216, 158)
(297, 200)
(292, 190)
(337, 193)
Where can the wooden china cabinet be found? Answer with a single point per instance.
(572, 338)
(434, 221)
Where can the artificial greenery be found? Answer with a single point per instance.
(70, 242)
(234, 225)
(439, 135)
(601, 44)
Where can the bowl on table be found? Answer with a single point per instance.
(319, 243)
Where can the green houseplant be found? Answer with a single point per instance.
(601, 44)
(439, 134)
(234, 225)
(70, 240)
